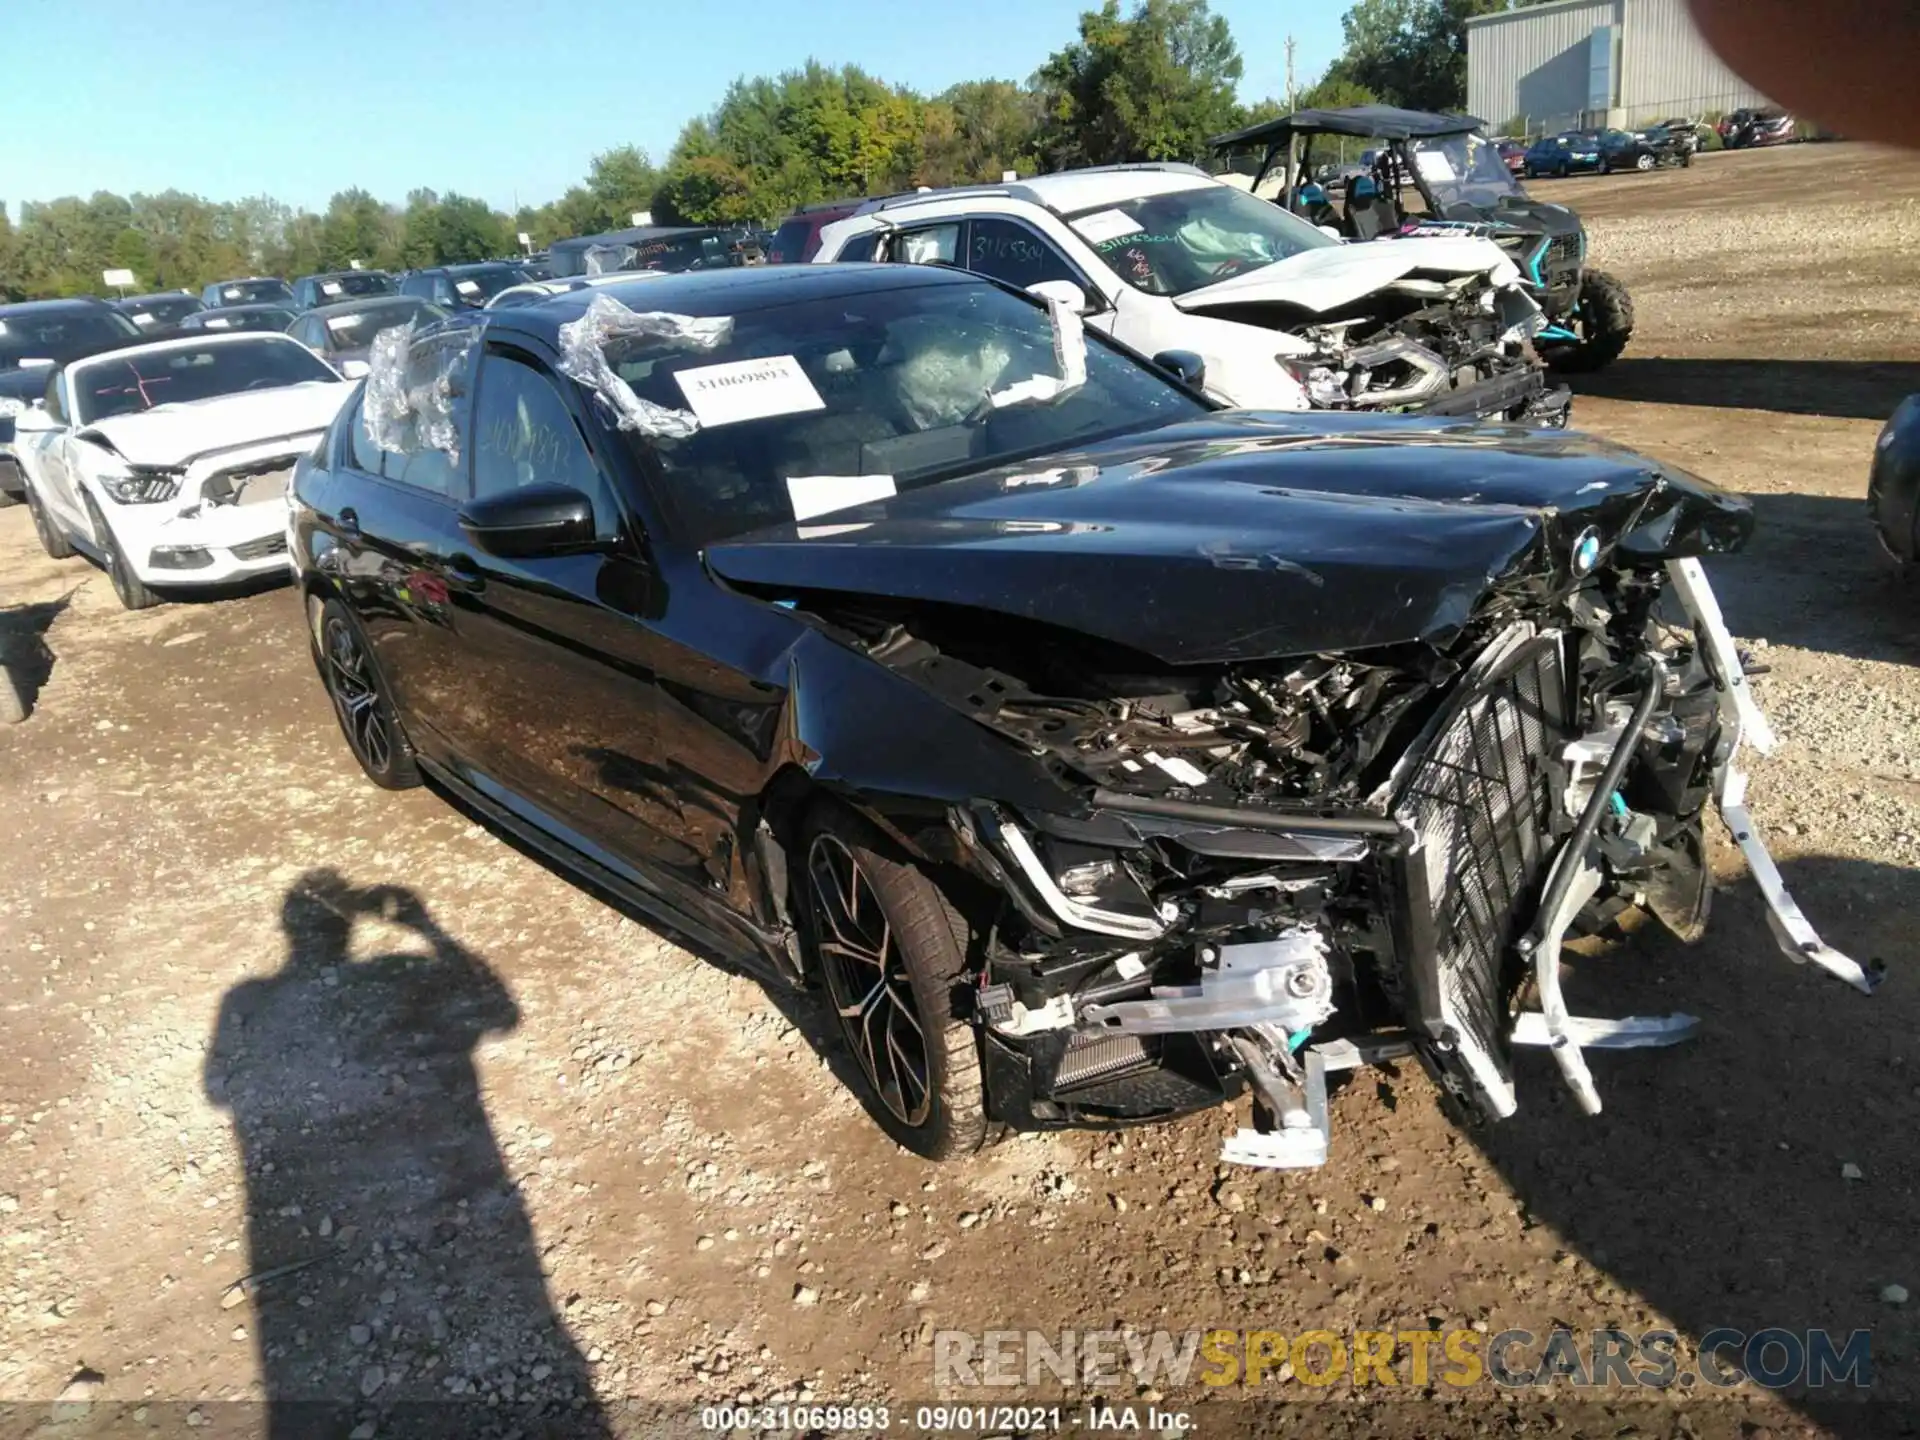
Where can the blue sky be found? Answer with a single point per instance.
(496, 98)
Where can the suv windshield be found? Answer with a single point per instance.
(1463, 170)
(126, 385)
(252, 292)
(1188, 239)
(58, 336)
(900, 376)
(477, 284)
(352, 284)
(154, 314)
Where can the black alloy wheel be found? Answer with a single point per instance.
(893, 954)
(365, 714)
(133, 593)
(52, 538)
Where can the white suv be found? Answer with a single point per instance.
(1282, 314)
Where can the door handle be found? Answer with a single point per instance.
(464, 575)
(347, 522)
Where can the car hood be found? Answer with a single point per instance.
(25, 382)
(1248, 536)
(180, 434)
(1336, 275)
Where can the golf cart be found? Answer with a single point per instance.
(1439, 175)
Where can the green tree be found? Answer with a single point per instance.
(1151, 85)
(1413, 52)
(978, 130)
(358, 227)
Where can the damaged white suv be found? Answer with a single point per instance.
(1260, 308)
(168, 463)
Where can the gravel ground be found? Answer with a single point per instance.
(528, 1155)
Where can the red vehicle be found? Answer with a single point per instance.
(799, 234)
(1745, 129)
(1513, 155)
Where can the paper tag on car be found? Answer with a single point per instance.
(330, 287)
(337, 323)
(748, 390)
(232, 292)
(1105, 225)
(823, 494)
(1433, 165)
(1184, 771)
(219, 322)
(467, 287)
(143, 319)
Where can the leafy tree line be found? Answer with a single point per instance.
(1148, 83)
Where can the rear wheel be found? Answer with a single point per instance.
(359, 698)
(134, 594)
(52, 538)
(893, 954)
(1603, 318)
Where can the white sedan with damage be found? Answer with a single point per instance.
(168, 463)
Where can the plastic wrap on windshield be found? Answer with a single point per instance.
(606, 259)
(1069, 363)
(583, 357)
(408, 404)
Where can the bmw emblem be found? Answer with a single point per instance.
(1586, 551)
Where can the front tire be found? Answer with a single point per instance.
(360, 700)
(1644, 163)
(1604, 314)
(893, 953)
(133, 593)
(52, 538)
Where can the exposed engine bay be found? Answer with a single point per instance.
(1442, 343)
(1298, 866)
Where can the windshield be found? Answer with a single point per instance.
(878, 392)
(1171, 244)
(353, 284)
(60, 335)
(480, 283)
(252, 292)
(126, 385)
(1463, 170)
(266, 318)
(355, 329)
(156, 314)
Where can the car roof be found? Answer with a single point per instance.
(359, 303)
(338, 274)
(156, 295)
(734, 291)
(630, 236)
(253, 307)
(54, 307)
(1379, 122)
(1066, 192)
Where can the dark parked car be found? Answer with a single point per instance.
(157, 313)
(35, 338)
(341, 334)
(1746, 129)
(254, 290)
(240, 317)
(1684, 131)
(462, 287)
(1641, 150)
(1568, 153)
(646, 247)
(337, 285)
(797, 238)
(1098, 754)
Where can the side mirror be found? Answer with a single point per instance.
(530, 522)
(1184, 365)
(34, 419)
(354, 369)
(1065, 291)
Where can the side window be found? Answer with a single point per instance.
(442, 291)
(931, 245)
(363, 454)
(524, 435)
(1011, 252)
(56, 398)
(860, 247)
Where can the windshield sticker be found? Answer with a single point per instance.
(1433, 165)
(823, 494)
(232, 292)
(142, 318)
(1107, 225)
(219, 322)
(467, 287)
(748, 390)
(330, 287)
(337, 323)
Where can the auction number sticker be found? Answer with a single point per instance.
(748, 390)
(1106, 225)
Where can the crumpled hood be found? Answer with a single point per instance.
(180, 434)
(1247, 536)
(1325, 279)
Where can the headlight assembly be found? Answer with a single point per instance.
(142, 487)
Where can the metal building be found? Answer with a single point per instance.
(1595, 62)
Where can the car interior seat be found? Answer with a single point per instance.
(1370, 214)
(1311, 204)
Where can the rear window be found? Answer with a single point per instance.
(790, 242)
(252, 292)
(353, 285)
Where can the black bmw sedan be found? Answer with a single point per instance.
(1099, 754)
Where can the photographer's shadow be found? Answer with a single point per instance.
(409, 1272)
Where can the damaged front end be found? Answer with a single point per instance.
(1280, 868)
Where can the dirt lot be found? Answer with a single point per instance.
(258, 1012)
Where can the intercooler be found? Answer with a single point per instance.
(1481, 799)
